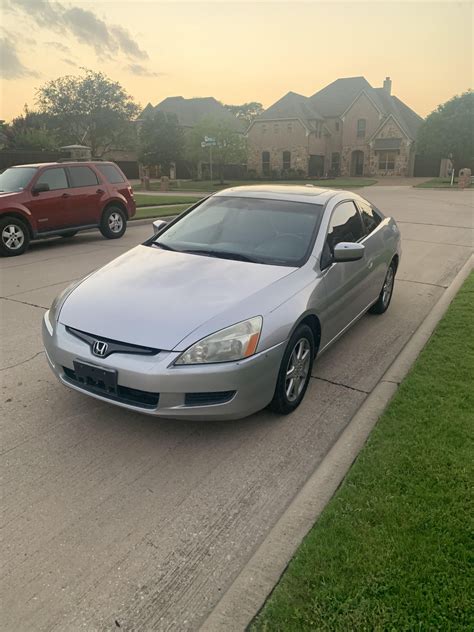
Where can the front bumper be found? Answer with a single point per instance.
(250, 382)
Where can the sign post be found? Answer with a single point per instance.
(209, 142)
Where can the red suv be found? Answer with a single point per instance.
(42, 200)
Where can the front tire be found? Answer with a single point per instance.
(113, 224)
(295, 371)
(386, 292)
(14, 237)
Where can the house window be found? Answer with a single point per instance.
(336, 126)
(264, 129)
(286, 160)
(335, 163)
(266, 163)
(361, 128)
(387, 160)
(276, 128)
(290, 127)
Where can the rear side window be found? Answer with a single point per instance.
(111, 173)
(82, 177)
(55, 178)
(345, 225)
(370, 217)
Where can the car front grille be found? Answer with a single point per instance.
(125, 395)
(207, 399)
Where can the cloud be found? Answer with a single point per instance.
(60, 47)
(11, 66)
(69, 62)
(138, 69)
(83, 24)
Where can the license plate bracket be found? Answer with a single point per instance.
(96, 377)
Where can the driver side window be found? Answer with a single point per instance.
(345, 225)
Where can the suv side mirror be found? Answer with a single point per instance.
(348, 251)
(158, 224)
(40, 188)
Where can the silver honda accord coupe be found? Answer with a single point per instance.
(223, 311)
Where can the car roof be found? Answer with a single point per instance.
(64, 163)
(295, 193)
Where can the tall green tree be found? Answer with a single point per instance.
(161, 140)
(246, 112)
(230, 146)
(31, 130)
(449, 131)
(89, 109)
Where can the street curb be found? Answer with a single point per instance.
(249, 591)
(148, 220)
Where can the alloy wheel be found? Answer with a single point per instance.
(297, 369)
(115, 222)
(13, 237)
(388, 287)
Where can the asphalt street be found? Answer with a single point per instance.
(111, 518)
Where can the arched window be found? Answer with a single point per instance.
(266, 163)
(286, 160)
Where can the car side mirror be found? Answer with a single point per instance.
(40, 188)
(158, 225)
(348, 251)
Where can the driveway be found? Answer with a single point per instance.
(111, 518)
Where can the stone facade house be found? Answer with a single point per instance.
(347, 128)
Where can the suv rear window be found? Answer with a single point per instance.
(82, 177)
(111, 173)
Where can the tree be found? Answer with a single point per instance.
(161, 140)
(31, 130)
(229, 148)
(247, 111)
(449, 131)
(89, 109)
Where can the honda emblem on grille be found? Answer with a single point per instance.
(99, 348)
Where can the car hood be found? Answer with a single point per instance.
(156, 298)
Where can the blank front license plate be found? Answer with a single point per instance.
(96, 377)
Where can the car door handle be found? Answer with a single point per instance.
(100, 191)
(66, 195)
(370, 264)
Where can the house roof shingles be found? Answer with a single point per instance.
(334, 99)
(191, 111)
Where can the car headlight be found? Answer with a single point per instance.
(227, 345)
(56, 305)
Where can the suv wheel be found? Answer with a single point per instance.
(113, 224)
(295, 371)
(14, 237)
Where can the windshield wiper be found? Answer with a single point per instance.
(222, 254)
(165, 246)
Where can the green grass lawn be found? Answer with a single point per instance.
(439, 183)
(159, 200)
(162, 211)
(392, 550)
(206, 185)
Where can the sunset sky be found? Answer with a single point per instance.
(237, 51)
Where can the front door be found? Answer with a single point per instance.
(346, 283)
(316, 166)
(357, 163)
(51, 208)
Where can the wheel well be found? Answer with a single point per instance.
(21, 218)
(313, 321)
(118, 204)
(396, 260)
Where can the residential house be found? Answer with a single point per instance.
(347, 128)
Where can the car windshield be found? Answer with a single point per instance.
(276, 232)
(16, 178)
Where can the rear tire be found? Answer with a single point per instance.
(114, 223)
(14, 237)
(386, 292)
(295, 371)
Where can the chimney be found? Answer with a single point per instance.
(387, 85)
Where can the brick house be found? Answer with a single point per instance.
(347, 128)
